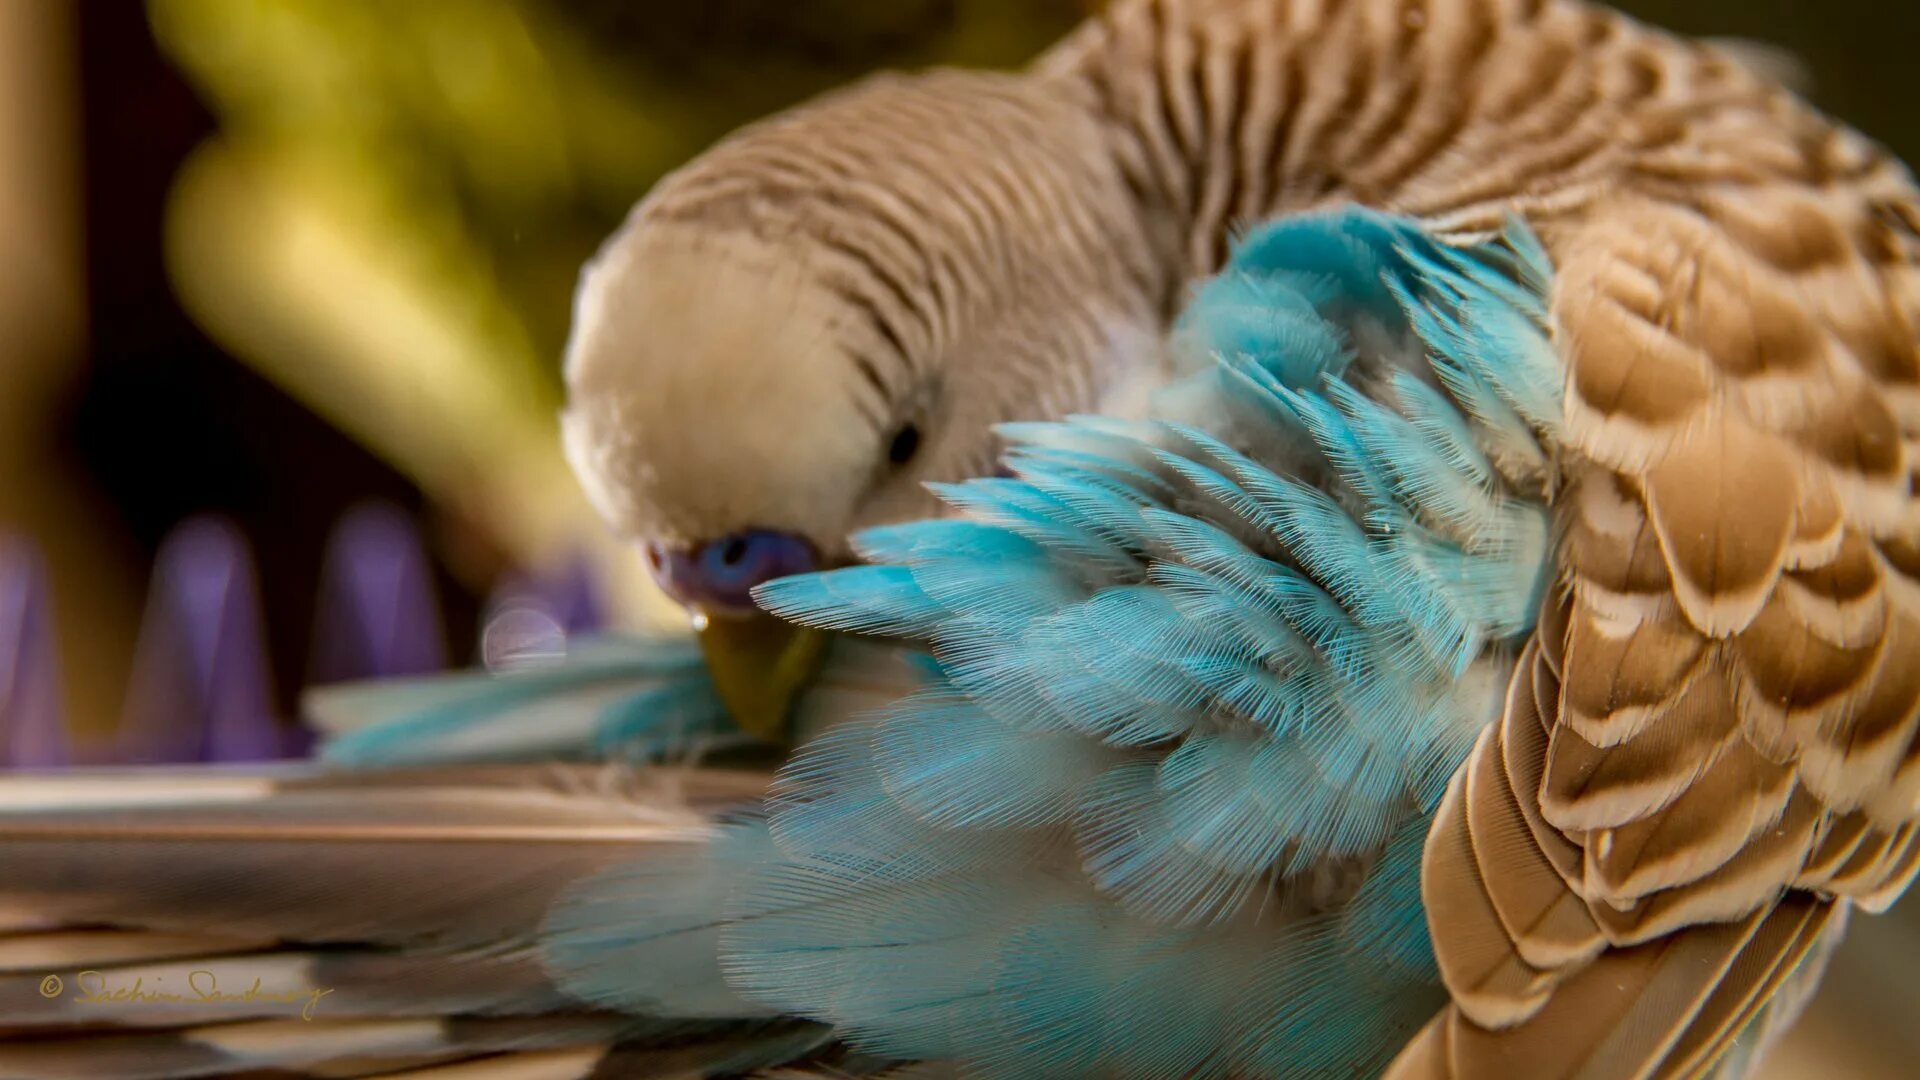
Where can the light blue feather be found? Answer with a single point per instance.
(954, 765)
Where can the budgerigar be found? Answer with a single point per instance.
(796, 332)
(1491, 659)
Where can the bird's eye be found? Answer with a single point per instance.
(905, 444)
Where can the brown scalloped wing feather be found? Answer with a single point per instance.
(1712, 741)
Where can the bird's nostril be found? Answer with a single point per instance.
(733, 551)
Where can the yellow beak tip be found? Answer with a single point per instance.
(759, 665)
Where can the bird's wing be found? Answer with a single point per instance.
(1713, 743)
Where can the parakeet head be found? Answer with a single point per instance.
(729, 410)
(792, 335)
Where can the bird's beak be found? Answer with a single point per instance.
(759, 664)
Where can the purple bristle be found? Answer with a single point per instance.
(201, 690)
(378, 615)
(32, 735)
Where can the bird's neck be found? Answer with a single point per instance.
(1224, 112)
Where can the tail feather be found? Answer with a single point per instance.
(453, 859)
(583, 1063)
(51, 950)
(335, 983)
(917, 1070)
(331, 1047)
(301, 922)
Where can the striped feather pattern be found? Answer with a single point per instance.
(1226, 112)
(949, 250)
(866, 179)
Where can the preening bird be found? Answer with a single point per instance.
(1483, 653)
(795, 333)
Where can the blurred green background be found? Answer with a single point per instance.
(271, 258)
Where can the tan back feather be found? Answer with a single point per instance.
(1720, 744)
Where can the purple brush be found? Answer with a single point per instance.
(200, 689)
(31, 732)
(378, 615)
